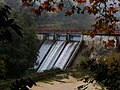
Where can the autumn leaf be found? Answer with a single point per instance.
(97, 30)
(33, 10)
(25, 3)
(45, 4)
(107, 15)
(110, 43)
(97, 18)
(93, 33)
(112, 10)
(89, 9)
(68, 13)
(91, 1)
(37, 12)
(112, 32)
(107, 30)
(55, 9)
(41, 8)
(61, 5)
(81, 1)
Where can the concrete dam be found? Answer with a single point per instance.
(60, 47)
(57, 51)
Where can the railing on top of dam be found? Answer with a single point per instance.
(59, 31)
(71, 31)
(70, 34)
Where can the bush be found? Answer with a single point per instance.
(82, 62)
(107, 72)
(22, 84)
(20, 54)
(113, 60)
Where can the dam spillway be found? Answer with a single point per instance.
(65, 55)
(55, 54)
(42, 52)
(52, 56)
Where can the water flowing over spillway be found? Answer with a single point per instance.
(61, 62)
(52, 56)
(55, 55)
(42, 52)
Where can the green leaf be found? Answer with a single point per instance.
(8, 35)
(16, 28)
(6, 10)
(10, 21)
(4, 14)
(7, 7)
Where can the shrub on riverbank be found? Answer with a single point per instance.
(106, 70)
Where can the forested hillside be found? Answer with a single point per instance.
(58, 20)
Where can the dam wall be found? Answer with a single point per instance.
(57, 51)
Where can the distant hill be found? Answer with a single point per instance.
(59, 20)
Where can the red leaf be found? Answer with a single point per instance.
(25, 3)
(93, 33)
(68, 13)
(91, 1)
(37, 12)
(45, 4)
(33, 10)
(110, 43)
(113, 10)
(97, 30)
(61, 5)
(81, 1)
(55, 9)
(97, 18)
(48, 9)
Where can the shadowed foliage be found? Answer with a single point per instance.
(7, 25)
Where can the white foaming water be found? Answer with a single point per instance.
(52, 56)
(42, 52)
(64, 57)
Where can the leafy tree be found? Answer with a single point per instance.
(7, 28)
(7, 25)
(20, 54)
(103, 70)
